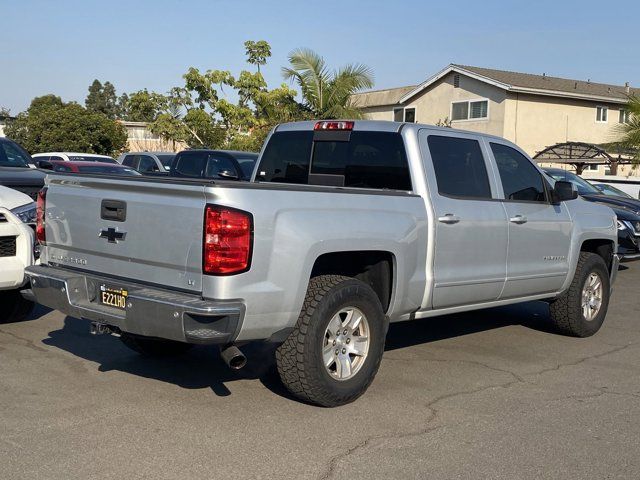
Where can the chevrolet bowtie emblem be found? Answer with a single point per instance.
(112, 235)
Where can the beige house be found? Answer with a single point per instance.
(533, 111)
(140, 139)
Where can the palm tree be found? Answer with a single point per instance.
(327, 93)
(630, 130)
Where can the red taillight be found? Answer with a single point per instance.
(40, 223)
(227, 240)
(334, 125)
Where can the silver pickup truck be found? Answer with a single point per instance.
(344, 227)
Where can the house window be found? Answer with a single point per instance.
(602, 114)
(410, 115)
(591, 167)
(404, 115)
(471, 110)
(624, 116)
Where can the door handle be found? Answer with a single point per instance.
(519, 219)
(449, 219)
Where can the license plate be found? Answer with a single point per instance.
(113, 297)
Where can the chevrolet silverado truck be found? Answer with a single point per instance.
(344, 227)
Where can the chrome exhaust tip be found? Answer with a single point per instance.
(233, 357)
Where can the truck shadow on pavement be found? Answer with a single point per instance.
(202, 367)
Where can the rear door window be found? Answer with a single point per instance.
(147, 164)
(131, 161)
(216, 164)
(459, 167)
(359, 160)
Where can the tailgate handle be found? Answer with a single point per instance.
(115, 210)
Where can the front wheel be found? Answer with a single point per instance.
(334, 351)
(580, 311)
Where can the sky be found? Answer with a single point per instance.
(61, 46)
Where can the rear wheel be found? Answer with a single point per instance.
(580, 311)
(13, 306)
(154, 347)
(334, 351)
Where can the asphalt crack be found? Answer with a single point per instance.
(73, 363)
(333, 462)
(26, 342)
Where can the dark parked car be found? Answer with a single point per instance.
(220, 164)
(15, 171)
(626, 209)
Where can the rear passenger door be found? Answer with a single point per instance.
(470, 222)
(539, 232)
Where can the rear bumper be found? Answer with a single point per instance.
(150, 311)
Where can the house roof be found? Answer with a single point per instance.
(378, 98)
(533, 84)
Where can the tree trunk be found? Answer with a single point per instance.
(614, 167)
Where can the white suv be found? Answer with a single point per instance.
(17, 219)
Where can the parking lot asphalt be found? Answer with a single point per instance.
(490, 394)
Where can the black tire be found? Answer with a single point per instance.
(154, 347)
(566, 310)
(13, 306)
(299, 358)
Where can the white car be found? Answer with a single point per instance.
(17, 223)
(71, 157)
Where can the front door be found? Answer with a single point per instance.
(470, 224)
(539, 232)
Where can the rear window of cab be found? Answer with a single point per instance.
(374, 160)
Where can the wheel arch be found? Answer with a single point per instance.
(376, 268)
(601, 247)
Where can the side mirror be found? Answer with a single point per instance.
(564, 191)
(44, 164)
(228, 174)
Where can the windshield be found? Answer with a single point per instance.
(166, 160)
(609, 190)
(583, 187)
(12, 155)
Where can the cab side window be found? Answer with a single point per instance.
(130, 161)
(521, 181)
(147, 164)
(459, 167)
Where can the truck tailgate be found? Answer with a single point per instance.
(146, 231)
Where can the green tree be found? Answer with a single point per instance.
(52, 125)
(145, 106)
(630, 131)
(257, 52)
(327, 93)
(102, 98)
